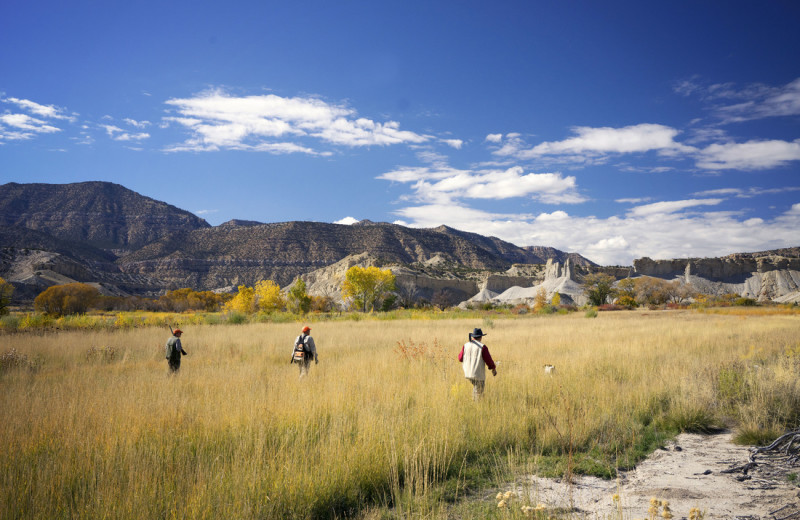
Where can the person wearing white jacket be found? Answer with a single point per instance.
(475, 358)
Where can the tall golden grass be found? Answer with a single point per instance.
(372, 431)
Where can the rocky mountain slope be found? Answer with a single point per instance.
(134, 244)
(232, 254)
(125, 243)
(100, 214)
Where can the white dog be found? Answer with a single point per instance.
(549, 369)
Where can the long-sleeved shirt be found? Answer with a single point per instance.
(174, 349)
(308, 341)
(474, 356)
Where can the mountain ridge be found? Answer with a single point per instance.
(107, 234)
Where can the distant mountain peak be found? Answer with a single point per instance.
(240, 223)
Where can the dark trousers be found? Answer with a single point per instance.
(174, 365)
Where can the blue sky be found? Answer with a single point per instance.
(613, 129)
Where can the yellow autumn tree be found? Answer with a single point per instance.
(244, 301)
(62, 300)
(365, 286)
(540, 301)
(268, 296)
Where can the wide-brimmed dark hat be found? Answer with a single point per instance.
(477, 333)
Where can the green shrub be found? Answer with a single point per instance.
(9, 322)
(591, 312)
(756, 436)
(237, 318)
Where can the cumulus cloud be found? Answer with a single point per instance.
(494, 138)
(27, 123)
(639, 138)
(751, 155)
(453, 143)
(595, 145)
(619, 239)
(347, 221)
(218, 120)
(447, 184)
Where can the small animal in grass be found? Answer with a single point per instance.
(549, 369)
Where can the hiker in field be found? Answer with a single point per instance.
(475, 357)
(175, 351)
(304, 351)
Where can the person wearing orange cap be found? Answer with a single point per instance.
(175, 351)
(304, 350)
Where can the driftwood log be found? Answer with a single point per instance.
(784, 450)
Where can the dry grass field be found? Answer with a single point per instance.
(92, 425)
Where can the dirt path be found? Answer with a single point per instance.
(688, 474)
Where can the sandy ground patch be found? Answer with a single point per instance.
(688, 473)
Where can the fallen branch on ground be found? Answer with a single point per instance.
(785, 449)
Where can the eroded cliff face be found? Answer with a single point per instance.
(730, 269)
(761, 276)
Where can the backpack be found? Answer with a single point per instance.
(301, 350)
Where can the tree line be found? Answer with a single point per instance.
(363, 289)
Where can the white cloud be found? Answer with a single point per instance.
(137, 124)
(765, 102)
(746, 193)
(754, 101)
(48, 111)
(494, 138)
(633, 200)
(721, 191)
(592, 145)
(639, 138)
(447, 184)
(347, 221)
(218, 120)
(414, 174)
(118, 134)
(672, 206)
(618, 240)
(453, 143)
(748, 156)
(27, 124)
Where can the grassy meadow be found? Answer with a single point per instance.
(92, 425)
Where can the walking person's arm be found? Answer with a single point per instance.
(313, 347)
(487, 358)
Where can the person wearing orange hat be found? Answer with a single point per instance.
(304, 350)
(175, 351)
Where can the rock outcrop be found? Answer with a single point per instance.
(767, 276)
